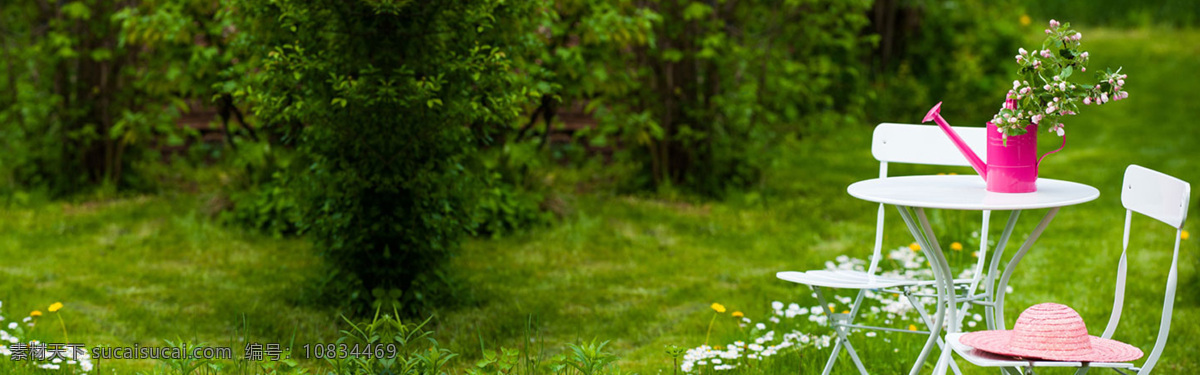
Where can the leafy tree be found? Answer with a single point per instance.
(695, 91)
(90, 86)
(387, 101)
(574, 55)
(958, 51)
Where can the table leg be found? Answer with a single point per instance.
(940, 282)
(990, 285)
(938, 260)
(1012, 266)
(950, 296)
(920, 307)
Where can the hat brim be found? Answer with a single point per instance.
(1102, 350)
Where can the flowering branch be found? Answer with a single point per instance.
(1044, 94)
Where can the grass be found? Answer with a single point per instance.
(146, 270)
(642, 271)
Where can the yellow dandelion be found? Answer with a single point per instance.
(914, 246)
(975, 254)
(953, 174)
(912, 327)
(1025, 21)
(1184, 235)
(35, 313)
(719, 308)
(738, 314)
(845, 311)
(54, 306)
(956, 246)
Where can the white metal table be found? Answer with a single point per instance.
(913, 194)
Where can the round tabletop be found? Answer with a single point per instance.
(968, 192)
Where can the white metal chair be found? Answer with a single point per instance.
(1150, 193)
(895, 143)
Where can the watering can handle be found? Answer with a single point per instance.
(1064, 144)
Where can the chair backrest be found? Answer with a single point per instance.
(1156, 195)
(924, 144)
(1163, 198)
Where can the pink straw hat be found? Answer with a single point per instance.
(1051, 331)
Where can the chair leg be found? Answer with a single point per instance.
(947, 358)
(839, 328)
(924, 316)
(837, 345)
(1083, 369)
(837, 348)
(862, 293)
(854, 357)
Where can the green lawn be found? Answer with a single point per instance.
(144, 270)
(642, 271)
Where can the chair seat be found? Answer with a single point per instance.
(849, 279)
(986, 359)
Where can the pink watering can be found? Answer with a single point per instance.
(1012, 165)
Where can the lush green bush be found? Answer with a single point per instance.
(260, 194)
(90, 87)
(958, 51)
(386, 100)
(511, 197)
(693, 92)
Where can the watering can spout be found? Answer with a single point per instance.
(976, 163)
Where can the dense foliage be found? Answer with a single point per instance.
(691, 93)
(89, 86)
(385, 100)
(953, 51)
(727, 78)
